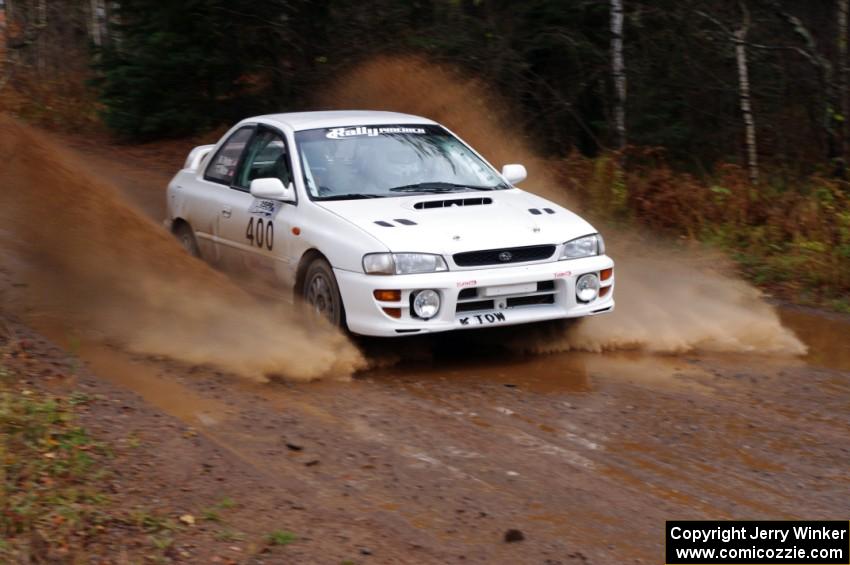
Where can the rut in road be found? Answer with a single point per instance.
(114, 273)
(667, 302)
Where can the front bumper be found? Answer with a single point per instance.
(553, 297)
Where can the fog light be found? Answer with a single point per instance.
(426, 304)
(587, 287)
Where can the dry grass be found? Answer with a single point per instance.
(50, 496)
(59, 101)
(792, 238)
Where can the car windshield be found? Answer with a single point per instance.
(392, 160)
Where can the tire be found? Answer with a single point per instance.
(321, 293)
(184, 234)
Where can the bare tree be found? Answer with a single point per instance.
(740, 39)
(842, 86)
(618, 71)
(834, 96)
(95, 31)
(4, 38)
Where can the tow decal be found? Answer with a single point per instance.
(482, 319)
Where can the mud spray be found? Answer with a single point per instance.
(112, 272)
(667, 301)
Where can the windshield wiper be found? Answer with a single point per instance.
(356, 196)
(437, 187)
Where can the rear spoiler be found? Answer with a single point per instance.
(196, 157)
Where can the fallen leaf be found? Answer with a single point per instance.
(188, 519)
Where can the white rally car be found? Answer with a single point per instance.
(386, 224)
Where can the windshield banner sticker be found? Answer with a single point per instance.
(339, 133)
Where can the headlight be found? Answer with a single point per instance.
(586, 246)
(403, 263)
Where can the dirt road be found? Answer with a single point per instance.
(434, 459)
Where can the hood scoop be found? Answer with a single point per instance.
(453, 202)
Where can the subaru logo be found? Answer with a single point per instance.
(505, 256)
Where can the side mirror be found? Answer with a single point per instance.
(514, 174)
(272, 189)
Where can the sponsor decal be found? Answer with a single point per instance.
(265, 208)
(467, 284)
(563, 274)
(341, 133)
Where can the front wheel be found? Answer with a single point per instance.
(321, 292)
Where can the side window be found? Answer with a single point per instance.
(266, 157)
(222, 167)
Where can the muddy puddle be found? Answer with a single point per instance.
(143, 376)
(468, 360)
(826, 335)
(464, 360)
(413, 364)
(570, 372)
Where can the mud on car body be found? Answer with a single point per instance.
(387, 224)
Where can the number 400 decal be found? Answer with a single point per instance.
(260, 233)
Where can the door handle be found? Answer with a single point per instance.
(226, 212)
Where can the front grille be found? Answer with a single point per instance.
(504, 256)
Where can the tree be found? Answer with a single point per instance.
(183, 66)
(830, 90)
(618, 71)
(740, 38)
(841, 42)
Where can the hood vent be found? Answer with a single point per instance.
(454, 202)
(537, 212)
(399, 221)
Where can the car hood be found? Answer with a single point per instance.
(461, 221)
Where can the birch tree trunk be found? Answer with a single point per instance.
(842, 88)
(41, 37)
(618, 71)
(96, 32)
(830, 84)
(4, 38)
(107, 23)
(740, 37)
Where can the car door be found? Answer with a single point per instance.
(261, 229)
(212, 209)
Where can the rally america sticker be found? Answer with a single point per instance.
(340, 133)
(264, 208)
